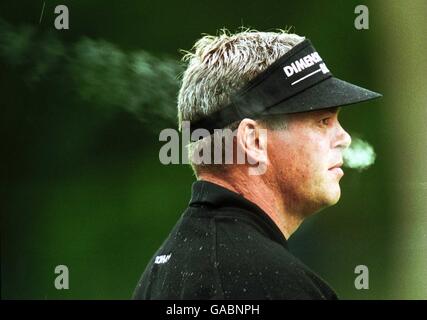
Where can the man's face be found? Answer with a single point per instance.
(305, 160)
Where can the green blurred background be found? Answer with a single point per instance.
(81, 111)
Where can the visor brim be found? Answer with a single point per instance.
(331, 92)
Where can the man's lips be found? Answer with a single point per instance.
(338, 165)
(337, 169)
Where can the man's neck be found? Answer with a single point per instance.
(264, 196)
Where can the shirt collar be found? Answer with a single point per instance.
(211, 194)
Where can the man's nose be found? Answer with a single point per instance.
(343, 138)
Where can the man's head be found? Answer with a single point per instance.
(257, 82)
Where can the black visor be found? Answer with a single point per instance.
(298, 81)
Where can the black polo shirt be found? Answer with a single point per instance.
(226, 247)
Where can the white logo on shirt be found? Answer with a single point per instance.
(162, 259)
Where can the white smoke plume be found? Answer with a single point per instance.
(97, 72)
(360, 155)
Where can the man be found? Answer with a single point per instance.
(231, 241)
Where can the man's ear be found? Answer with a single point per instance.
(251, 143)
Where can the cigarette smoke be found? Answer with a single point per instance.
(97, 72)
(360, 155)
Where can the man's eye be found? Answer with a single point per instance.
(325, 121)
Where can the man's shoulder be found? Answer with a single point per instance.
(223, 255)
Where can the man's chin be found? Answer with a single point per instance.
(324, 202)
(335, 196)
(332, 196)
